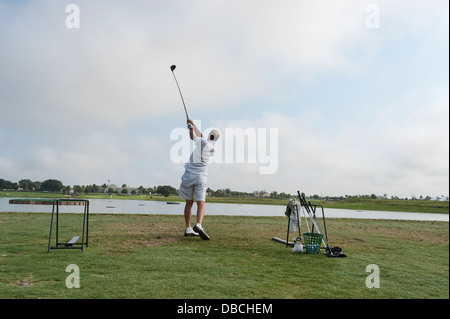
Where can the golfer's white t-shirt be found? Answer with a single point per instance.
(200, 157)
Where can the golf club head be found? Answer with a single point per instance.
(173, 67)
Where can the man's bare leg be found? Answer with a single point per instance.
(200, 211)
(188, 212)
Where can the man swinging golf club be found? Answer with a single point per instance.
(193, 181)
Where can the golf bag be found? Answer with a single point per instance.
(294, 223)
(294, 210)
(310, 210)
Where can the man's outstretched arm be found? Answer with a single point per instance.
(194, 131)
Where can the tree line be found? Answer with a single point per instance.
(24, 184)
(54, 185)
(227, 192)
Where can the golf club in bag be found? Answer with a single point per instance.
(294, 210)
(311, 211)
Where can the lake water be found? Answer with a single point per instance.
(156, 207)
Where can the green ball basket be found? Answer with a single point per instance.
(312, 242)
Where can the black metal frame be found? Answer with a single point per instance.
(85, 235)
(311, 209)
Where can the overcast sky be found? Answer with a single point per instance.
(341, 96)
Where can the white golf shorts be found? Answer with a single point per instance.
(193, 184)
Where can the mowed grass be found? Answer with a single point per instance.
(147, 256)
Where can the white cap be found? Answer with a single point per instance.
(215, 133)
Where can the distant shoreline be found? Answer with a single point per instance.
(396, 205)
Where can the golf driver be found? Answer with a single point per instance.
(172, 68)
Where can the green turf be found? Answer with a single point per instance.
(147, 256)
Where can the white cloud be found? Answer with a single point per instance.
(115, 68)
(406, 157)
(76, 95)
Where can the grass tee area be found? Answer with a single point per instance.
(147, 256)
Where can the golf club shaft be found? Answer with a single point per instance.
(182, 99)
